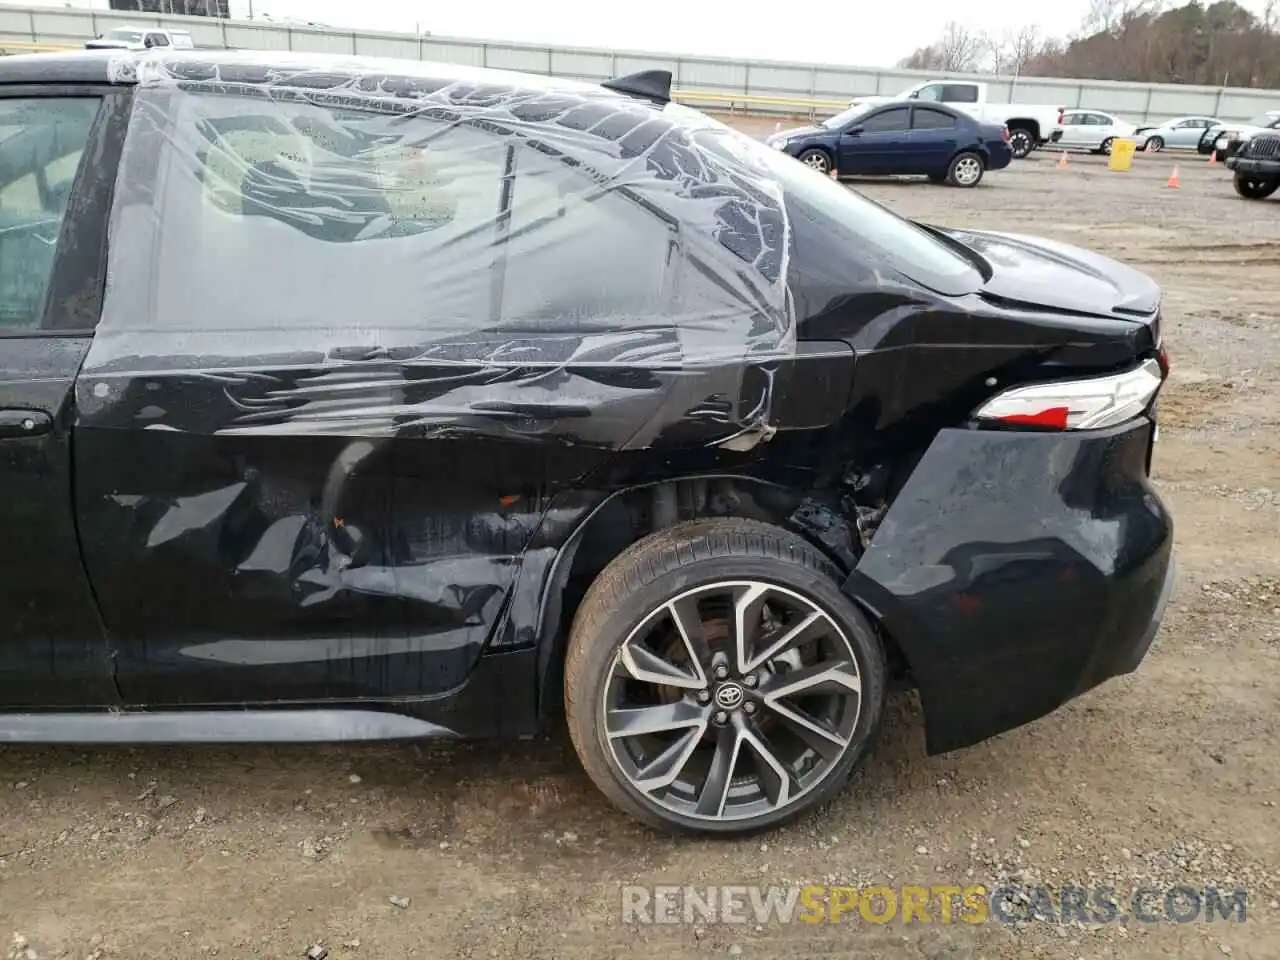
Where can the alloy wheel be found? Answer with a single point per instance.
(967, 170)
(817, 160)
(732, 701)
(1020, 143)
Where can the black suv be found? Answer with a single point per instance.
(1257, 166)
(352, 400)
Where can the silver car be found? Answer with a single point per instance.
(1180, 132)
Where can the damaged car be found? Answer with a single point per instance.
(351, 400)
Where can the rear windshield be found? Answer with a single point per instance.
(867, 231)
(182, 41)
(125, 36)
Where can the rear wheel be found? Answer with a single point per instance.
(1107, 144)
(717, 679)
(1253, 187)
(1021, 142)
(966, 170)
(819, 160)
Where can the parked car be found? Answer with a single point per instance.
(1029, 125)
(928, 140)
(1091, 130)
(1226, 138)
(142, 38)
(410, 400)
(1257, 166)
(1179, 133)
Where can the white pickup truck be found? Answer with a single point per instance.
(1029, 124)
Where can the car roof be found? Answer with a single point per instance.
(114, 66)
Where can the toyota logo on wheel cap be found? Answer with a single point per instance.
(729, 696)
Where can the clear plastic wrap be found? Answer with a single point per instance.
(324, 216)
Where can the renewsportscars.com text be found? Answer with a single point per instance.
(936, 903)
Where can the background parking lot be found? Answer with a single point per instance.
(1164, 777)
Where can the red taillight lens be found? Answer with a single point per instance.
(1062, 112)
(1005, 133)
(1162, 355)
(1088, 404)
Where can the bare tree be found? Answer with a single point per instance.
(960, 48)
(1022, 46)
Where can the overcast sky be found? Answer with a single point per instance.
(855, 34)
(849, 33)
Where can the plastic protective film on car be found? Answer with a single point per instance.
(365, 335)
(395, 224)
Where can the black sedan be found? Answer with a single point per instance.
(928, 140)
(358, 399)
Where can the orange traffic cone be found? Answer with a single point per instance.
(1213, 158)
(1062, 161)
(1173, 179)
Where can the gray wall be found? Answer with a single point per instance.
(703, 81)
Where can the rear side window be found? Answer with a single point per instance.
(887, 121)
(959, 93)
(42, 141)
(270, 215)
(927, 118)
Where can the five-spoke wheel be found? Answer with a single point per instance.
(734, 703)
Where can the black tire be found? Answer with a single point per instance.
(1021, 142)
(672, 564)
(966, 169)
(1254, 187)
(1154, 144)
(1107, 144)
(816, 158)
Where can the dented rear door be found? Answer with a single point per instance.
(352, 352)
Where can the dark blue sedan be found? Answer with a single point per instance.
(890, 139)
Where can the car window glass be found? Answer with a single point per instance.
(928, 119)
(41, 143)
(159, 39)
(889, 120)
(395, 223)
(960, 93)
(1071, 120)
(932, 92)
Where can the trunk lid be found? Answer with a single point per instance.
(1058, 276)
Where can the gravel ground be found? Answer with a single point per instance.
(1165, 777)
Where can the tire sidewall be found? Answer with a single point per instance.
(818, 588)
(1155, 144)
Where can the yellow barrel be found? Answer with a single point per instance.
(1122, 154)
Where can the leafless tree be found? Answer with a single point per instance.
(960, 48)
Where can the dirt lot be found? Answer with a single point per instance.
(1168, 776)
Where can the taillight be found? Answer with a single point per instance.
(1088, 404)
(1005, 133)
(1062, 112)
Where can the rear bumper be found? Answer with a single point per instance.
(1018, 570)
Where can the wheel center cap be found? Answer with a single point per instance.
(729, 696)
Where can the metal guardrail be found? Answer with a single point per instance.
(731, 102)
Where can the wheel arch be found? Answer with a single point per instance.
(1029, 124)
(628, 514)
(822, 148)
